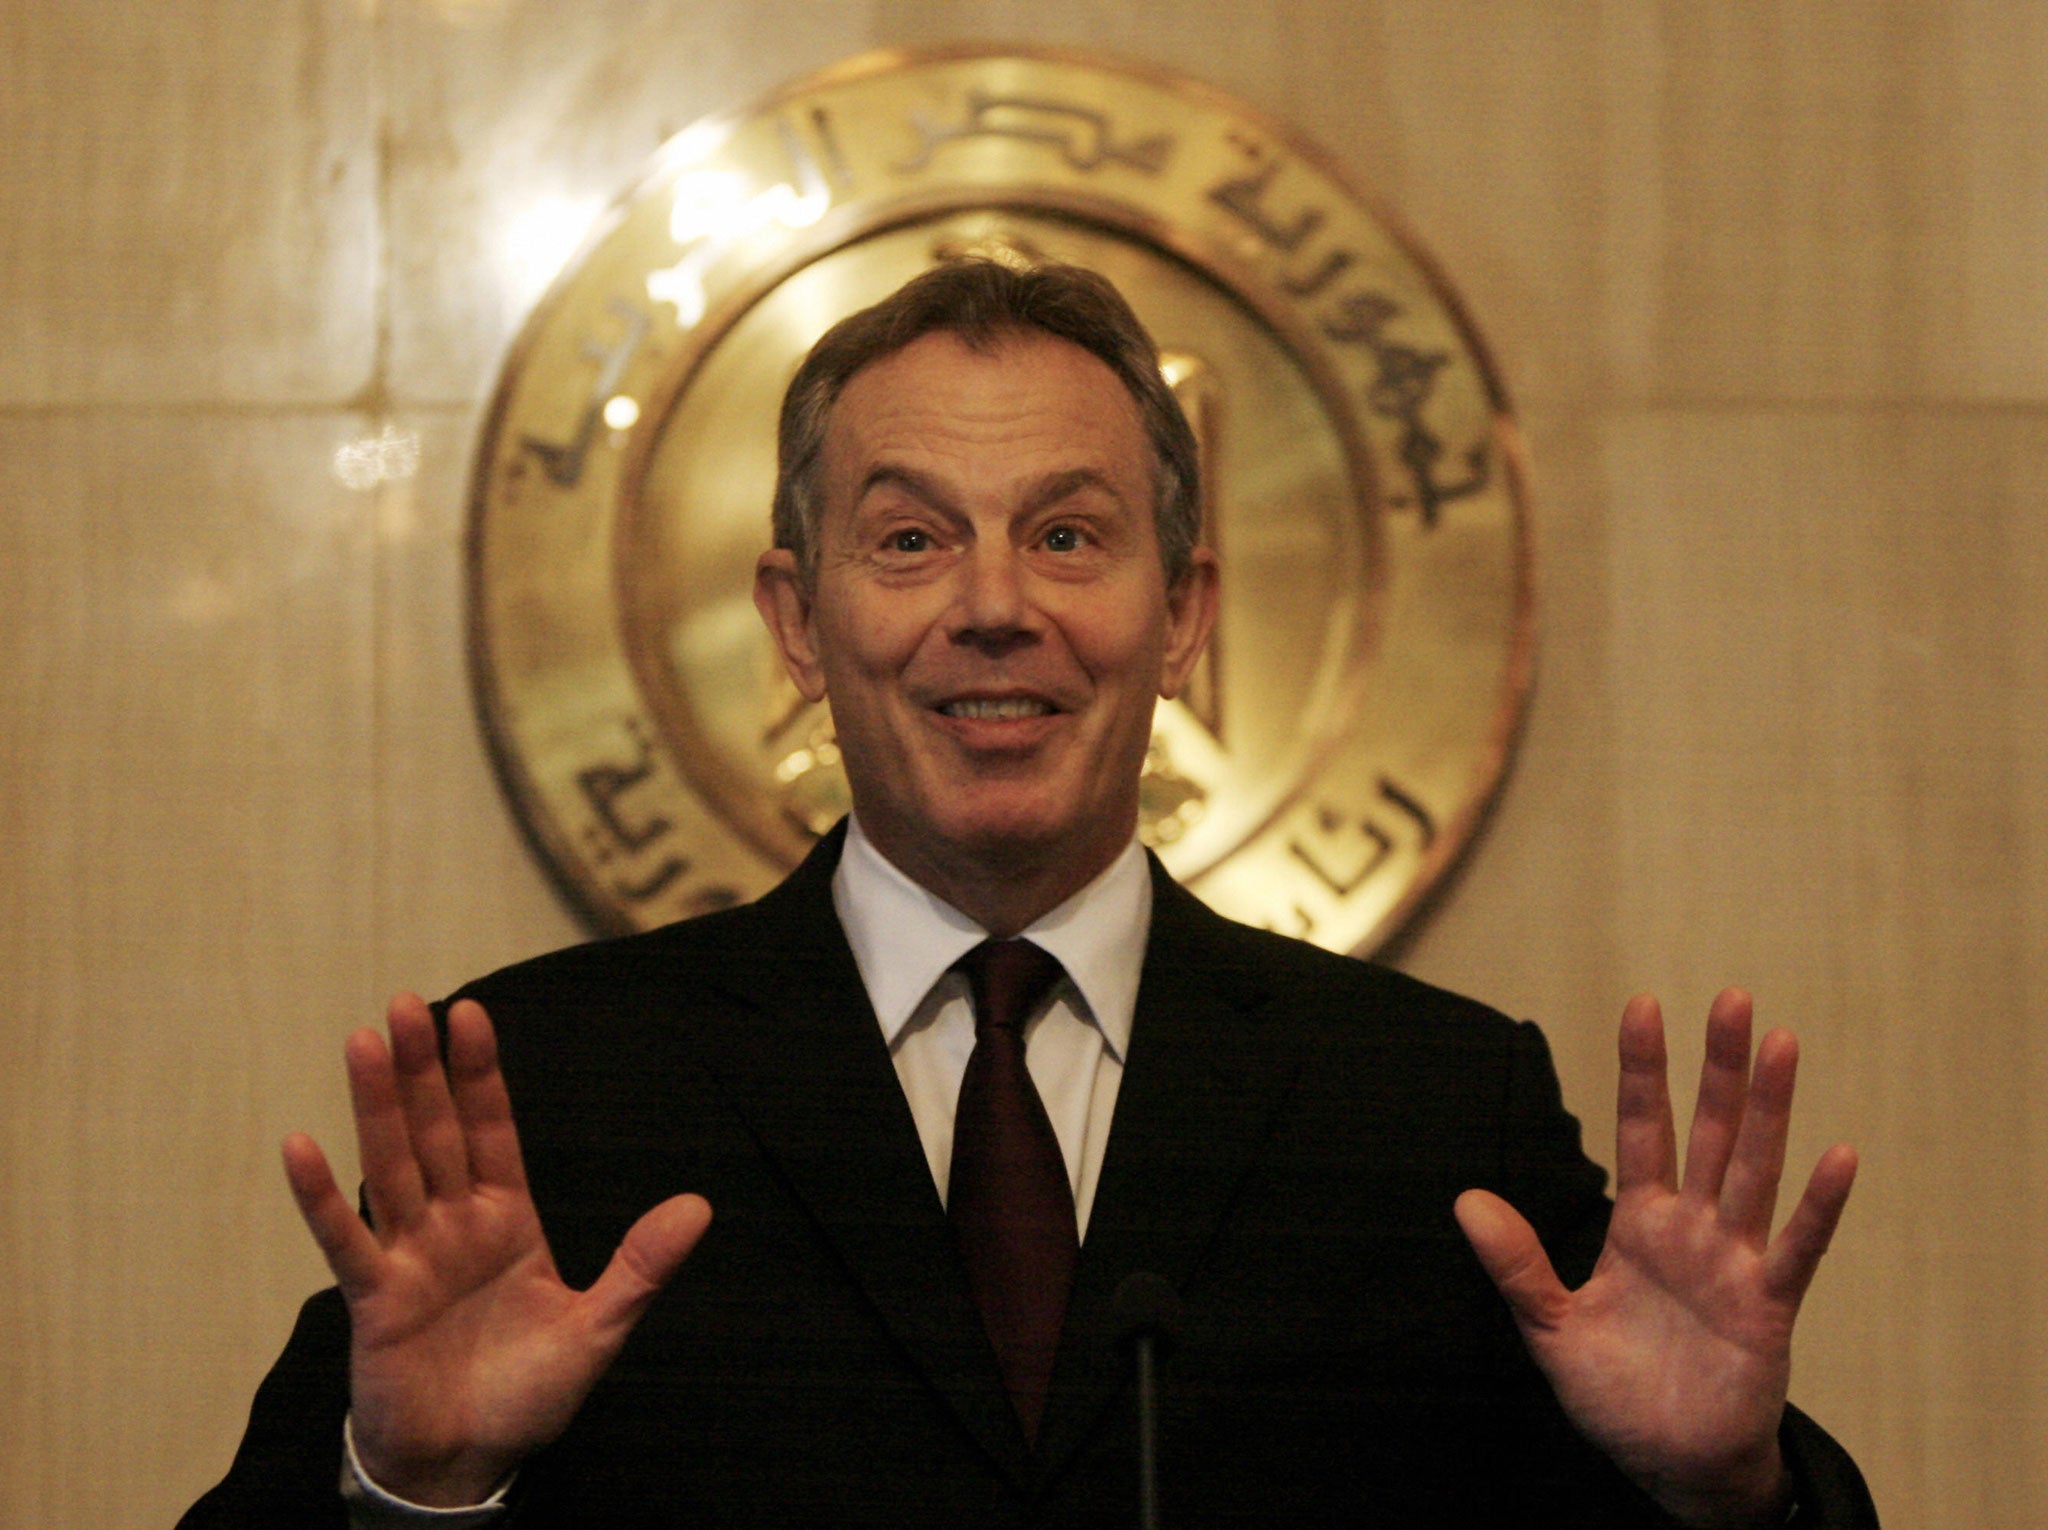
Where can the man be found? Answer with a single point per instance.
(930, 1187)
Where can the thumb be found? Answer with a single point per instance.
(653, 1249)
(1514, 1259)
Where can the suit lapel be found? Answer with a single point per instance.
(804, 1063)
(1206, 1074)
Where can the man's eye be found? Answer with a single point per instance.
(1063, 539)
(909, 540)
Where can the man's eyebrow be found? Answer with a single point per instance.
(1049, 490)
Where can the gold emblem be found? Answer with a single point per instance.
(1362, 485)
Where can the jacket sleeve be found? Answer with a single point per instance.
(288, 1468)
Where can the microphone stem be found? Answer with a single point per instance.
(1148, 1438)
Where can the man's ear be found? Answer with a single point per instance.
(783, 597)
(1190, 613)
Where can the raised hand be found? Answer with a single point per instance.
(1674, 1357)
(468, 1351)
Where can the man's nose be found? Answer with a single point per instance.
(994, 598)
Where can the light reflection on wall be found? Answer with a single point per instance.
(540, 240)
(713, 211)
(367, 461)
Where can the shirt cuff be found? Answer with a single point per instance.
(370, 1507)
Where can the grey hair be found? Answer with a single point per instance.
(984, 301)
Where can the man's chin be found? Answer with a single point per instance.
(999, 838)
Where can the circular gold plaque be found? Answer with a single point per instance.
(1361, 484)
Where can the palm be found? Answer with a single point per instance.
(467, 1350)
(1674, 1357)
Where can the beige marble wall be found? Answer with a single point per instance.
(1769, 281)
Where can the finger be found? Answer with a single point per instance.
(481, 1102)
(350, 1249)
(653, 1249)
(423, 1092)
(1645, 1142)
(1796, 1252)
(1749, 1195)
(1724, 1089)
(391, 1176)
(1514, 1259)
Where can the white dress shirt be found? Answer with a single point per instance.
(905, 941)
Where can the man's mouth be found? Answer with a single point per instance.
(1004, 709)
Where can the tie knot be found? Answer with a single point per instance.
(1008, 979)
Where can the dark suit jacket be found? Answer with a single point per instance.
(1291, 1132)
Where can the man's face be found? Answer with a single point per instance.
(989, 617)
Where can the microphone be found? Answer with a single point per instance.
(1148, 1312)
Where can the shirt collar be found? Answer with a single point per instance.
(905, 938)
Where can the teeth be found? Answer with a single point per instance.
(1002, 710)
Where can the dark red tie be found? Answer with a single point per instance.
(1008, 1199)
